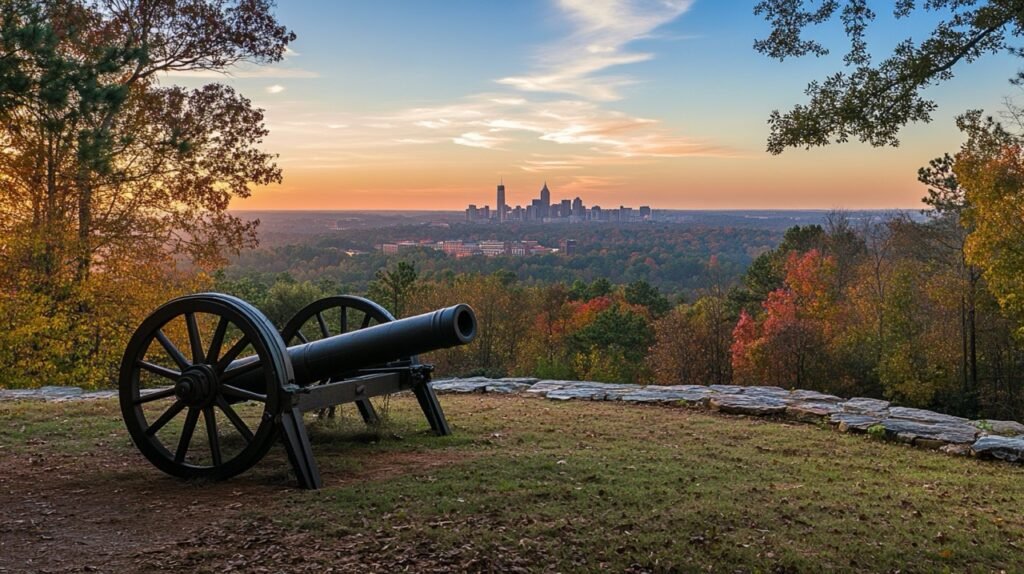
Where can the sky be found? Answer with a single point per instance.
(407, 104)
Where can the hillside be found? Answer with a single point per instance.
(523, 485)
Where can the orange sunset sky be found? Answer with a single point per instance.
(401, 104)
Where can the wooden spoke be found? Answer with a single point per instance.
(301, 337)
(173, 351)
(236, 420)
(165, 418)
(323, 325)
(158, 370)
(194, 340)
(186, 434)
(155, 396)
(242, 393)
(344, 319)
(218, 341)
(238, 371)
(366, 321)
(210, 419)
(231, 354)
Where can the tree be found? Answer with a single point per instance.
(788, 346)
(948, 200)
(99, 160)
(644, 294)
(393, 287)
(692, 344)
(990, 166)
(872, 101)
(613, 345)
(109, 179)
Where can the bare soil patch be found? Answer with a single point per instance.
(110, 512)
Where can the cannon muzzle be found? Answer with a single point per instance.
(380, 344)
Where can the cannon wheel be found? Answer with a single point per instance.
(200, 385)
(333, 316)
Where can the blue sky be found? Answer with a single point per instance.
(413, 104)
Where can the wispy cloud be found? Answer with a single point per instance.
(476, 139)
(568, 134)
(603, 30)
(274, 89)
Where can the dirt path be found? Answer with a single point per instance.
(112, 512)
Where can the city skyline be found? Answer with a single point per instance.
(405, 105)
(541, 209)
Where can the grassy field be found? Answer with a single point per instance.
(523, 485)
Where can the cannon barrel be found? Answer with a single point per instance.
(383, 343)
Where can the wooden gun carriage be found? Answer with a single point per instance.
(217, 357)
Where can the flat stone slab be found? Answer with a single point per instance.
(811, 411)
(459, 386)
(814, 396)
(853, 422)
(757, 391)
(589, 390)
(748, 405)
(1010, 449)
(931, 435)
(42, 393)
(653, 394)
(923, 416)
(866, 406)
(1004, 428)
(482, 385)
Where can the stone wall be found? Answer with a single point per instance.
(955, 435)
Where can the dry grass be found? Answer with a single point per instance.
(524, 484)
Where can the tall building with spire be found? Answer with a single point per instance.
(545, 202)
(501, 202)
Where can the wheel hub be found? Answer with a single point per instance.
(197, 386)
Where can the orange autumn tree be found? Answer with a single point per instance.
(787, 344)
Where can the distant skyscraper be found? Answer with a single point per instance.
(577, 208)
(565, 208)
(545, 202)
(501, 202)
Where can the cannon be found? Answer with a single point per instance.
(215, 358)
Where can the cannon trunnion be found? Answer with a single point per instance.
(215, 357)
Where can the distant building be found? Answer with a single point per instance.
(568, 246)
(545, 202)
(393, 248)
(493, 248)
(458, 248)
(501, 203)
(578, 210)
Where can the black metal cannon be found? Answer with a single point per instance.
(217, 357)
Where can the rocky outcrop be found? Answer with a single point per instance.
(1001, 447)
(928, 429)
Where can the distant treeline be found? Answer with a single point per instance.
(671, 257)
